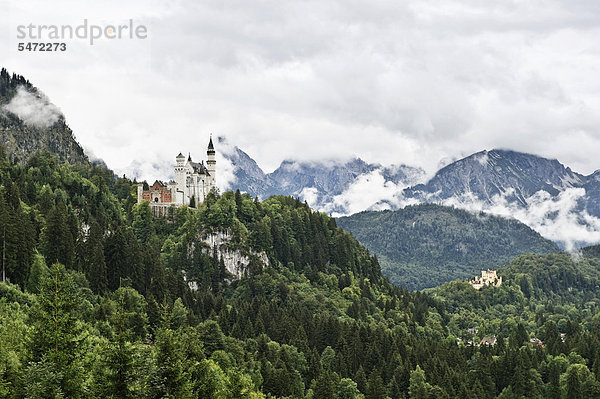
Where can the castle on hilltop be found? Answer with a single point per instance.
(488, 277)
(193, 181)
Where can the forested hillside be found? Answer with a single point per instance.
(549, 302)
(97, 305)
(426, 245)
(535, 289)
(591, 251)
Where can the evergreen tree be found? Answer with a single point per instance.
(375, 387)
(323, 386)
(361, 379)
(4, 228)
(118, 377)
(520, 382)
(170, 378)
(553, 389)
(123, 258)
(57, 238)
(573, 383)
(38, 272)
(211, 336)
(95, 263)
(419, 388)
(56, 330)
(143, 222)
(17, 235)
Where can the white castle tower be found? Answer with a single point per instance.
(211, 164)
(179, 192)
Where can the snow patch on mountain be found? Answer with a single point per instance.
(483, 159)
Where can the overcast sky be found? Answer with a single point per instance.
(409, 82)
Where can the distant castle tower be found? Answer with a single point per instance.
(211, 162)
(488, 277)
(193, 181)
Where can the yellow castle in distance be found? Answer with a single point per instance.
(488, 277)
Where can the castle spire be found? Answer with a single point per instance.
(189, 156)
(211, 162)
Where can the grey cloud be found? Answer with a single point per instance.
(392, 82)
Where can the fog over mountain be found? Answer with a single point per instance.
(554, 200)
(334, 186)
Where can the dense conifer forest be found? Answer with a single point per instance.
(96, 304)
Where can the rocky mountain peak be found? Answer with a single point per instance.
(29, 122)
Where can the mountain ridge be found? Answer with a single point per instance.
(30, 123)
(502, 167)
(543, 193)
(320, 183)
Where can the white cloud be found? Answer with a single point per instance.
(311, 196)
(148, 170)
(369, 191)
(34, 109)
(555, 218)
(225, 172)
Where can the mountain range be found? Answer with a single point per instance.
(560, 204)
(324, 185)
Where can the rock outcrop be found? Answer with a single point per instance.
(236, 260)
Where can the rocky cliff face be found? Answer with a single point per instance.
(249, 177)
(591, 201)
(328, 178)
(29, 122)
(236, 261)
